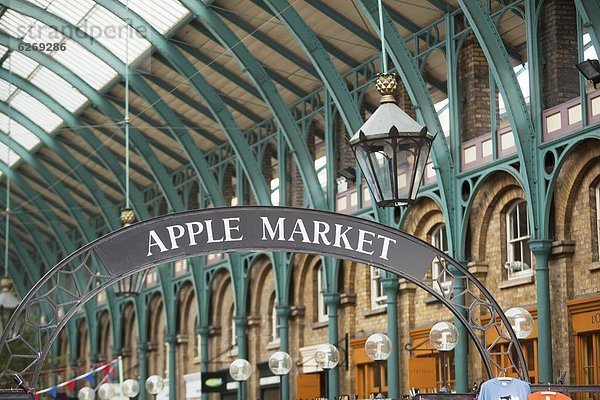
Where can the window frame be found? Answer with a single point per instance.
(378, 296)
(597, 192)
(275, 338)
(522, 241)
(439, 240)
(322, 315)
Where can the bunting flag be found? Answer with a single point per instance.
(90, 377)
(71, 385)
(53, 391)
(106, 369)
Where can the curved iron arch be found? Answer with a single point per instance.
(101, 273)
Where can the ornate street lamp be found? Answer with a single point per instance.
(521, 321)
(8, 302)
(86, 393)
(280, 363)
(378, 348)
(327, 357)
(240, 370)
(444, 336)
(154, 385)
(391, 149)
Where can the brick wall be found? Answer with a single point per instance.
(474, 90)
(558, 48)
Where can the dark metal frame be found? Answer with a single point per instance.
(68, 286)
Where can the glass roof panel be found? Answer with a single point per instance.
(20, 64)
(85, 64)
(42, 34)
(71, 11)
(18, 133)
(15, 24)
(6, 89)
(163, 15)
(58, 88)
(4, 155)
(35, 111)
(23, 136)
(111, 31)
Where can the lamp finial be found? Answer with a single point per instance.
(386, 86)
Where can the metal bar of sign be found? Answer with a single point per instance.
(194, 233)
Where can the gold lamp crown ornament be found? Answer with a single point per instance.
(127, 217)
(387, 86)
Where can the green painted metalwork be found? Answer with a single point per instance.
(269, 93)
(213, 100)
(102, 104)
(590, 11)
(526, 143)
(335, 84)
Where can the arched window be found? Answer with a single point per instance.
(598, 219)
(274, 321)
(321, 306)
(233, 339)
(518, 255)
(442, 280)
(378, 297)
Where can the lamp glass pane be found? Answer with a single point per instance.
(363, 161)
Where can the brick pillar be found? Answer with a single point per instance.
(297, 185)
(228, 188)
(561, 290)
(404, 101)
(407, 322)
(558, 36)
(474, 90)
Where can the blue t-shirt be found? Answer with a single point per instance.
(494, 389)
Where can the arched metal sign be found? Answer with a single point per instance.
(64, 290)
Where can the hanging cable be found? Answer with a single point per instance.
(384, 67)
(7, 225)
(126, 121)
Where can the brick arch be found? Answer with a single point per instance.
(262, 281)
(580, 169)
(261, 274)
(104, 337)
(222, 301)
(304, 279)
(156, 336)
(499, 188)
(187, 339)
(129, 339)
(186, 307)
(422, 216)
(83, 345)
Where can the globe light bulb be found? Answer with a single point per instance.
(521, 321)
(86, 393)
(106, 392)
(240, 370)
(280, 363)
(130, 388)
(378, 347)
(443, 336)
(327, 356)
(154, 384)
